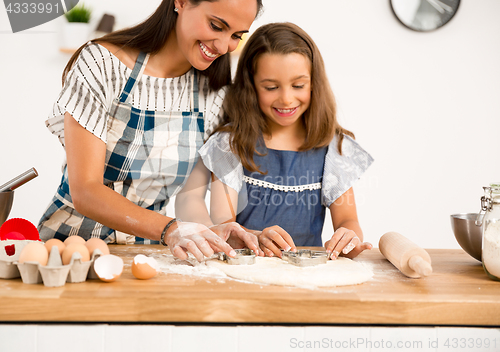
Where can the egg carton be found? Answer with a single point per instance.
(9, 254)
(54, 274)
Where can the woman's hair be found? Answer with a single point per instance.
(242, 115)
(150, 36)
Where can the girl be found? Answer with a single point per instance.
(135, 107)
(283, 151)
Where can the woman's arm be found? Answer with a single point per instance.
(347, 239)
(85, 156)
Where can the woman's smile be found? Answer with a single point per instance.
(207, 53)
(210, 29)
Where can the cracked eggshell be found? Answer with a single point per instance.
(144, 267)
(108, 267)
(34, 252)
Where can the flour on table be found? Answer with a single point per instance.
(191, 267)
(273, 271)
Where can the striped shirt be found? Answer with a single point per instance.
(98, 77)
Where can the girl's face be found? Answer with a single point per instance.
(212, 28)
(283, 85)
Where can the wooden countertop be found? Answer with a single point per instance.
(457, 293)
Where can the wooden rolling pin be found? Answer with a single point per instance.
(405, 255)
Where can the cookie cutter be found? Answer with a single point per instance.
(243, 257)
(305, 257)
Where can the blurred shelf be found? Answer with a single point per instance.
(67, 50)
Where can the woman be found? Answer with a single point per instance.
(135, 107)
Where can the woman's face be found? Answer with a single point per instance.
(212, 28)
(283, 86)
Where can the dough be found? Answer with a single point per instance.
(274, 271)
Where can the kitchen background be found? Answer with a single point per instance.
(425, 105)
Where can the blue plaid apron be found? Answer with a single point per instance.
(149, 155)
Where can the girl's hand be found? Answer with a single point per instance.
(273, 238)
(197, 239)
(237, 237)
(345, 242)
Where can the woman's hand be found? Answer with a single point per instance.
(273, 238)
(199, 240)
(237, 237)
(345, 242)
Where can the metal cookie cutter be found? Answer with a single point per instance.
(243, 257)
(305, 257)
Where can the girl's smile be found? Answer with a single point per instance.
(286, 112)
(283, 85)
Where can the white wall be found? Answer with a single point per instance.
(425, 105)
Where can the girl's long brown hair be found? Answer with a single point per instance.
(243, 118)
(150, 36)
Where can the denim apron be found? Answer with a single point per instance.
(149, 155)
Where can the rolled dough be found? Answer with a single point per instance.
(274, 271)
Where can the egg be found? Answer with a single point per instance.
(34, 252)
(96, 243)
(108, 267)
(72, 248)
(55, 242)
(74, 239)
(144, 267)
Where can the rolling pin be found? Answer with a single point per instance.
(405, 255)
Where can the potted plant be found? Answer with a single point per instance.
(76, 27)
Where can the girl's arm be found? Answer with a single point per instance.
(272, 239)
(348, 237)
(85, 156)
(190, 205)
(223, 202)
(190, 201)
(223, 207)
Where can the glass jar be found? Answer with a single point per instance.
(490, 204)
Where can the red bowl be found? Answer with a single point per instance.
(16, 226)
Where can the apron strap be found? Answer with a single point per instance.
(194, 93)
(140, 65)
